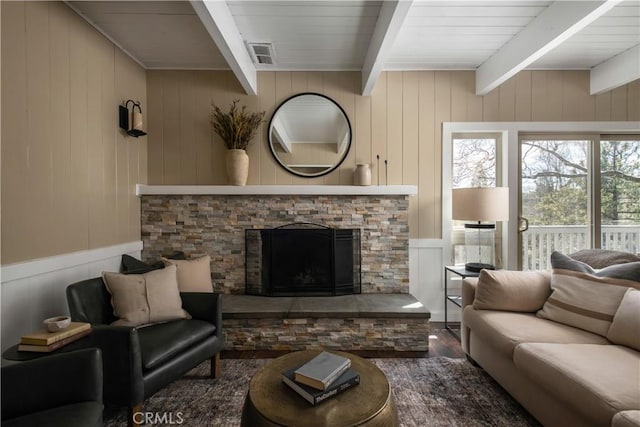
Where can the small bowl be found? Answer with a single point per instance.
(55, 324)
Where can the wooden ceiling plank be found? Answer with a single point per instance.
(548, 30)
(392, 16)
(216, 18)
(617, 71)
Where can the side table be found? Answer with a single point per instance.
(13, 354)
(458, 270)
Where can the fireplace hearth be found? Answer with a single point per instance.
(302, 259)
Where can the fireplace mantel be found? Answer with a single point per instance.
(315, 190)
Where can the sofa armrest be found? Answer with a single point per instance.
(122, 361)
(469, 286)
(51, 381)
(204, 306)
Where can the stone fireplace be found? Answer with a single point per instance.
(215, 220)
(183, 218)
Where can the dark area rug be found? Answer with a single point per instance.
(428, 392)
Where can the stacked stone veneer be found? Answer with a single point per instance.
(385, 334)
(215, 225)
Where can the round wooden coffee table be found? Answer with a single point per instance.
(270, 402)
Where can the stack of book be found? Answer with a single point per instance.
(324, 376)
(44, 341)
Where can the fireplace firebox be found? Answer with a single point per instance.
(302, 260)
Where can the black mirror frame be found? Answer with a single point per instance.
(328, 171)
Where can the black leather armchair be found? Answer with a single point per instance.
(140, 361)
(62, 390)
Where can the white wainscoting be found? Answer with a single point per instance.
(426, 277)
(35, 290)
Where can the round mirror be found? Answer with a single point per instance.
(309, 135)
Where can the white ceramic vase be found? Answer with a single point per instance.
(237, 166)
(362, 175)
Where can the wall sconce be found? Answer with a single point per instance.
(131, 122)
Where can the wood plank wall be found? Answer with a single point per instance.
(68, 172)
(401, 122)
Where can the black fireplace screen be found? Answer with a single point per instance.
(302, 260)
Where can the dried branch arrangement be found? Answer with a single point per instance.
(236, 127)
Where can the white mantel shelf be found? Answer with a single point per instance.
(258, 190)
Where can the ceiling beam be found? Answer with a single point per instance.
(392, 15)
(617, 71)
(553, 26)
(217, 19)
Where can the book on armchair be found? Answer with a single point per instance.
(44, 337)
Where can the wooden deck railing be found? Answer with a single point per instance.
(540, 241)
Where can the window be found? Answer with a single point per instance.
(475, 164)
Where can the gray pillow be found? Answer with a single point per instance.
(626, 271)
(601, 258)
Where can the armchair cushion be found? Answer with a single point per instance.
(131, 265)
(194, 275)
(84, 414)
(161, 342)
(55, 384)
(523, 291)
(140, 299)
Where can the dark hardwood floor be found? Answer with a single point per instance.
(441, 343)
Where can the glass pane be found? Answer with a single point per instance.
(474, 165)
(555, 192)
(474, 162)
(620, 195)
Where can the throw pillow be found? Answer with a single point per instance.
(131, 265)
(524, 291)
(601, 258)
(193, 275)
(140, 299)
(625, 328)
(585, 298)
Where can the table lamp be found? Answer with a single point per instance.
(480, 204)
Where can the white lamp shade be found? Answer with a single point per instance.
(481, 204)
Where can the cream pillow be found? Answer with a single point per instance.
(194, 275)
(585, 298)
(524, 291)
(625, 328)
(140, 299)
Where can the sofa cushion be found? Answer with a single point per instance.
(625, 328)
(194, 275)
(595, 380)
(504, 330)
(140, 299)
(584, 298)
(161, 342)
(626, 419)
(524, 291)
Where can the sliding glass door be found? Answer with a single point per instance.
(576, 193)
(620, 194)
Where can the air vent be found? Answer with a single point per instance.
(262, 53)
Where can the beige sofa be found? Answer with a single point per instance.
(563, 375)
